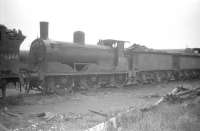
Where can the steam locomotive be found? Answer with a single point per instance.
(106, 64)
(61, 67)
(10, 41)
(65, 65)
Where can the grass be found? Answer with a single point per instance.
(180, 117)
(164, 118)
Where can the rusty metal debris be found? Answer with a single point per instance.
(55, 121)
(49, 121)
(98, 113)
(5, 112)
(177, 95)
(3, 128)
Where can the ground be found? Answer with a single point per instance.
(76, 107)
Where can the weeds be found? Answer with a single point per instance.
(165, 118)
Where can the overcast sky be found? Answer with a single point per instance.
(154, 23)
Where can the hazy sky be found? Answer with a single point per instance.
(154, 23)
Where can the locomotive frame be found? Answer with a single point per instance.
(10, 41)
(61, 67)
(135, 65)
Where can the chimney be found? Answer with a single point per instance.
(44, 30)
(79, 37)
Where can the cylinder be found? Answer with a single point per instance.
(44, 30)
(79, 37)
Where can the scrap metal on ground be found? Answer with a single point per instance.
(177, 95)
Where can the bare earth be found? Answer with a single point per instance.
(105, 100)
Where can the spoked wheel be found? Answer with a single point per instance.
(109, 81)
(83, 84)
(164, 76)
(33, 84)
(49, 85)
(89, 82)
(59, 85)
(158, 77)
(65, 84)
(104, 81)
(93, 82)
(144, 78)
(150, 77)
(113, 81)
(139, 78)
(168, 75)
(120, 80)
